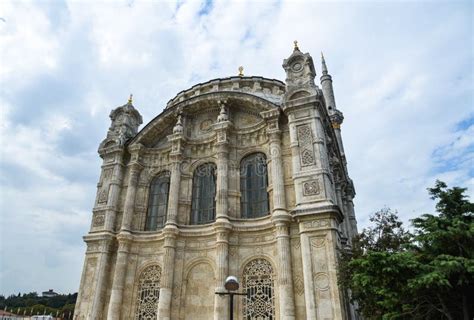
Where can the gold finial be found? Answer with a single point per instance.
(241, 71)
(130, 99)
(296, 45)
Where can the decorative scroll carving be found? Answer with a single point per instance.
(148, 293)
(98, 220)
(311, 187)
(305, 140)
(259, 285)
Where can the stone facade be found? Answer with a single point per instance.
(288, 256)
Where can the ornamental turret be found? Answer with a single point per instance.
(300, 74)
(125, 121)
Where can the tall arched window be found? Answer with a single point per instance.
(158, 202)
(259, 303)
(203, 209)
(148, 293)
(253, 186)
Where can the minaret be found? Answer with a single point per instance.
(335, 115)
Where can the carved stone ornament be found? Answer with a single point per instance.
(103, 195)
(321, 280)
(304, 134)
(299, 285)
(305, 141)
(258, 281)
(307, 157)
(311, 188)
(148, 293)
(205, 125)
(318, 242)
(317, 224)
(98, 220)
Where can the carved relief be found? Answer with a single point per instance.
(318, 242)
(305, 140)
(299, 285)
(307, 157)
(103, 195)
(98, 220)
(317, 224)
(311, 187)
(304, 134)
(296, 244)
(321, 280)
(106, 174)
(205, 125)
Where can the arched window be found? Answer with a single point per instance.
(259, 303)
(253, 186)
(203, 209)
(158, 202)
(148, 293)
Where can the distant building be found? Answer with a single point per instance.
(50, 293)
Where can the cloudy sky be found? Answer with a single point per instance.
(403, 76)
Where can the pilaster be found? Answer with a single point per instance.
(222, 225)
(171, 231)
(280, 217)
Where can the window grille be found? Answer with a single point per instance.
(158, 202)
(253, 186)
(148, 293)
(259, 304)
(203, 208)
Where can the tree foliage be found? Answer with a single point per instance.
(32, 304)
(428, 274)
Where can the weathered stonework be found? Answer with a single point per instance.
(288, 256)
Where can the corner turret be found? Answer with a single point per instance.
(300, 74)
(125, 121)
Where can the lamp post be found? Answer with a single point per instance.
(231, 284)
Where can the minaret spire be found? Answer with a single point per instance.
(323, 64)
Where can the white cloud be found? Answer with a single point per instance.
(402, 75)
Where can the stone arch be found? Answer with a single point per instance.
(198, 291)
(258, 280)
(148, 292)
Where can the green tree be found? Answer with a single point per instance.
(393, 274)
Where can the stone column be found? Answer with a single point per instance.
(124, 237)
(115, 187)
(115, 304)
(351, 215)
(280, 218)
(222, 225)
(309, 296)
(101, 277)
(166, 284)
(129, 206)
(171, 231)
